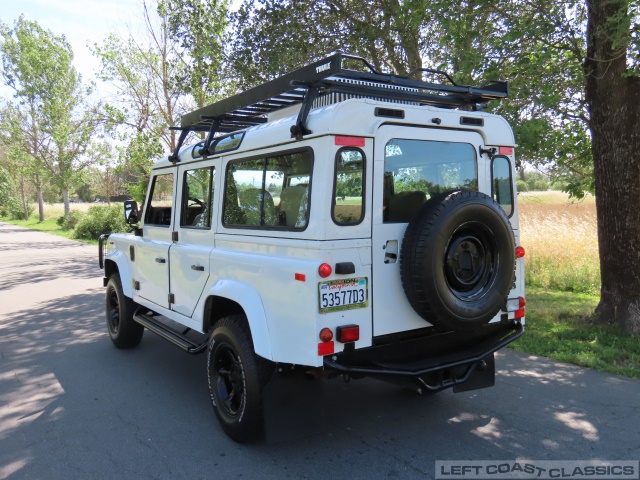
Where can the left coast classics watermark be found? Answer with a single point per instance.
(538, 469)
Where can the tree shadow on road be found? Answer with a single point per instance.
(69, 398)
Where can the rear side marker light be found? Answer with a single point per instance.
(505, 150)
(324, 270)
(348, 333)
(520, 252)
(349, 141)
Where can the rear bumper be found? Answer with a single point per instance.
(432, 362)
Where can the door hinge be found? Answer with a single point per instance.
(172, 299)
(174, 236)
(136, 285)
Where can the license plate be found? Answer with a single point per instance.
(344, 294)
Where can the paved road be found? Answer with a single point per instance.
(74, 407)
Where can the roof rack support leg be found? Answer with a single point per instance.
(174, 157)
(212, 131)
(300, 129)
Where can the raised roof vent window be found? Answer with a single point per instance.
(389, 112)
(476, 122)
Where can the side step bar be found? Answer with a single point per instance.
(167, 333)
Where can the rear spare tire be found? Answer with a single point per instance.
(457, 260)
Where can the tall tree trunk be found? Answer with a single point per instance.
(40, 204)
(614, 104)
(65, 200)
(25, 203)
(40, 198)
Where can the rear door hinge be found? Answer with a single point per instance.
(172, 298)
(174, 236)
(136, 285)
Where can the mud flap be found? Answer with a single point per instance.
(293, 405)
(483, 376)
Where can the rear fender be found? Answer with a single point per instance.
(249, 299)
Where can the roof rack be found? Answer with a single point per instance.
(312, 84)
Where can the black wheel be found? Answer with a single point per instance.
(457, 260)
(123, 330)
(236, 379)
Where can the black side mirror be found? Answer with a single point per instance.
(131, 212)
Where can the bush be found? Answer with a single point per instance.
(100, 219)
(522, 186)
(71, 220)
(537, 182)
(15, 211)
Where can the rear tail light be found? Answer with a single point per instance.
(325, 348)
(326, 345)
(520, 252)
(520, 312)
(348, 333)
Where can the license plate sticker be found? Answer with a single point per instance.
(347, 294)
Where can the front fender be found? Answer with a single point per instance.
(248, 298)
(116, 260)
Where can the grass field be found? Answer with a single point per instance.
(560, 238)
(563, 287)
(559, 326)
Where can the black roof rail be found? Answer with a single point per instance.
(324, 77)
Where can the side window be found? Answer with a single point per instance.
(269, 192)
(502, 185)
(160, 208)
(348, 199)
(197, 198)
(417, 170)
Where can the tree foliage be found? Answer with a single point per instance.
(536, 44)
(196, 27)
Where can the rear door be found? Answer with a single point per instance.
(195, 224)
(411, 165)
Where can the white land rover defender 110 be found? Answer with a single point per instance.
(334, 221)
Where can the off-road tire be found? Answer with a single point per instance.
(457, 260)
(236, 378)
(124, 331)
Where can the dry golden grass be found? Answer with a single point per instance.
(560, 238)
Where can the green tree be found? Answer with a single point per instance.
(57, 123)
(197, 28)
(22, 171)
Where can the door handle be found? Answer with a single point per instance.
(198, 268)
(161, 260)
